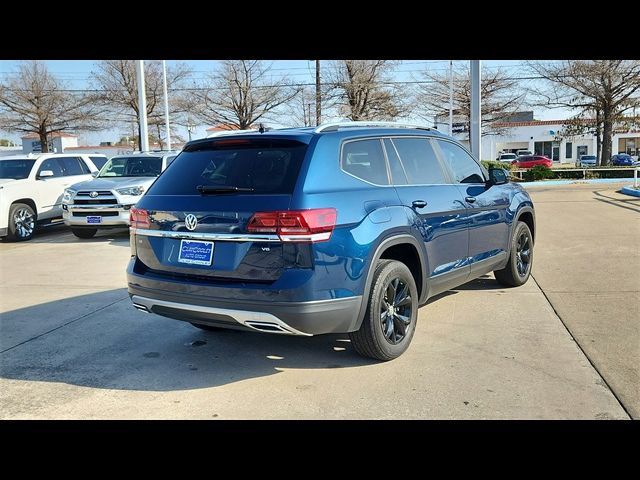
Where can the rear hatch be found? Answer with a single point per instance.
(192, 223)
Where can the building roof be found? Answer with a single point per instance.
(51, 135)
(533, 123)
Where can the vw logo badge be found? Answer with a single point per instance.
(93, 194)
(191, 222)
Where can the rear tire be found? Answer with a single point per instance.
(392, 312)
(518, 269)
(22, 222)
(208, 328)
(84, 232)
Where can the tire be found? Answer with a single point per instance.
(22, 222)
(378, 338)
(518, 269)
(208, 328)
(84, 232)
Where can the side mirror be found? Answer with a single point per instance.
(497, 176)
(45, 173)
(95, 174)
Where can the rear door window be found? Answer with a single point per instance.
(257, 166)
(72, 166)
(99, 161)
(419, 161)
(364, 159)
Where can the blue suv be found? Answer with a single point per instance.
(345, 228)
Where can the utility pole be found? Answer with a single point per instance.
(318, 100)
(142, 107)
(476, 116)
(451, 97)
(166, 105)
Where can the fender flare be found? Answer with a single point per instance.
(382, 246)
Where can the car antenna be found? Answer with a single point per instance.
(261, 128)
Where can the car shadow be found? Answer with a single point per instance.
(101, 341)
(60, 233)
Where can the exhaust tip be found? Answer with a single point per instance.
(267, 327)
(142, 308)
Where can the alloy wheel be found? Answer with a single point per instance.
(395, 311)
(24, 222)
(523, 254)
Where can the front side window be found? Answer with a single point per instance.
(364, 159)
(16, 169)
(71, 166)
(53, 165)
(461, 165)
(419, 161)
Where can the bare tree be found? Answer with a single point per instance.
(118, 87)
(301, 109)
(362, 89)
(501, 97)
(35, 101)
(607, 89)
(241, 93)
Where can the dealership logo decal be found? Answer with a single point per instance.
(191, 222)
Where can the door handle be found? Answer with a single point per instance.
(418, 204)
(470, 199)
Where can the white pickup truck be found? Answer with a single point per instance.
(31, 189)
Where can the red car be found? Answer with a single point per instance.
(530, 161)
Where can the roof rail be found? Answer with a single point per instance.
(222, 133)
(335, 126)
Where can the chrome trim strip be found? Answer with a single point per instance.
(220, 237)
(97, 206)
(314, 237)
(243, 317)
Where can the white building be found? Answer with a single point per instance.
(549, 138)
(58, 142)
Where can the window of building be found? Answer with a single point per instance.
(419, 161)
(462, 165)
(364, 159)
(569, 149)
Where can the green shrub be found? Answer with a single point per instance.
(539, 172)
(494, 164)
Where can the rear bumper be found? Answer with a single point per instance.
(295, 318)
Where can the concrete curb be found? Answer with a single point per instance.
(553, 183)
(630, 191)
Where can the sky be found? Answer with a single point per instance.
(77, 73)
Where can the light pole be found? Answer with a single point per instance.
(142, 106)
(450, 97)
(476, 116)
(166, 103)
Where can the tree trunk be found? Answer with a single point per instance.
(607, 133)
(44, 141)
(598, 138)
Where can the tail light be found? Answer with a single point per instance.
(139, 218)
(314, 225)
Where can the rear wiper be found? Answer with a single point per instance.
(207, 189)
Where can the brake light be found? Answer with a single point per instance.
(139, 218)
(314, 225)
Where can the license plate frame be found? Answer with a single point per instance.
(196, 252)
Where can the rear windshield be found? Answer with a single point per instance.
(256, 167)
(16, 169)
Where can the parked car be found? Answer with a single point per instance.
(31, 189)
(507, 157)
(530, 161)
(587, 161)
(105, 201)
(247, 232)
(623, 160)
(523, 153)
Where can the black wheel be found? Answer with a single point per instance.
(84, 232)
(392, 313)
(518, 268)
(22, 222)
(208, 328)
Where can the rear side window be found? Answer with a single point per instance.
(364, 159)
(462, 165)
(265, 167)
(419, 161)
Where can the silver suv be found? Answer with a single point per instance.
(105, 201)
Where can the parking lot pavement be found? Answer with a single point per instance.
(588, 264)
(73, 347)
